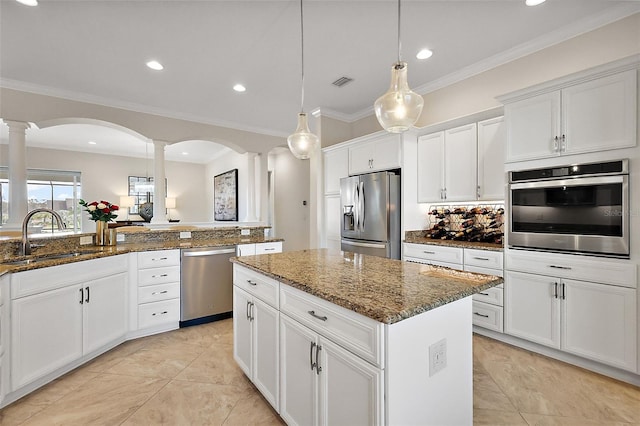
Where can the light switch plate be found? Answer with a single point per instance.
(437, 357)
(245, 232)
(185, 234)
(87, 239)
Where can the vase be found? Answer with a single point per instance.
(104, 235)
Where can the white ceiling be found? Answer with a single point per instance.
(96, 51)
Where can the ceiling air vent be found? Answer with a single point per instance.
(342, 81)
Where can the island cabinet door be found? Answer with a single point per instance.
(242, 341)
(298, 378)
(105, 311)
(351, 390)
(265, 330)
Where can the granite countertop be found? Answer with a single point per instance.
(385, 290)
(453, 243)
(89, 252)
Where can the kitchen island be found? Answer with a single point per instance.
(334, 337)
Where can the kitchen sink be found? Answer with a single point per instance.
(44, 258)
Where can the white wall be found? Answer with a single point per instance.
(291, 188)
(105, 177)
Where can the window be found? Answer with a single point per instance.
(55, 189)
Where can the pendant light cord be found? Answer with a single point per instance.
(302, 56)
(399, 45)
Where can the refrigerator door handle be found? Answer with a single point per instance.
(356, 210)
(362, 210)
(370, 245)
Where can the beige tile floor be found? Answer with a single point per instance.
(188, 377)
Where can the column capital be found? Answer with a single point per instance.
(159, 143)
(17, 125)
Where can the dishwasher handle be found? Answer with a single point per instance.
(208, 252)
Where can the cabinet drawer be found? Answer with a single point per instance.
(433, 252)
(493, 296)
(256, 284)
(488, 316)
(356, 333)
(158, 275)
(156, 293)
(585, 268)
(486, 271)
(483, 258)
(158, 258)
(156, 313)
(273, 247)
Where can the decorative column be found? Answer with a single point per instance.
(17, 173)
(263, 182)
(251, 187)
(159, 178)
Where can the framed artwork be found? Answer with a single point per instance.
(225, 196)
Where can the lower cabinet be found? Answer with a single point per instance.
(595, 321)
(52, 328)
(324, 384)
(259, 248)
(255, 349)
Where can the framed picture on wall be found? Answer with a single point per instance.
(225, 196)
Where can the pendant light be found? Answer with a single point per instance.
(399, 108)
(302, 142)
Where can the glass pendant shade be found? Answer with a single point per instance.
(302, 142)
(399, 108)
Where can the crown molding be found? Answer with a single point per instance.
(129, 106)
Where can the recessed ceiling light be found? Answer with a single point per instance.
(92, 143)
(239, 88)
(533, 2)
(155, 65)
(28, 2)
(185, 153)
(424, 54)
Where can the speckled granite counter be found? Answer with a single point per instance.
(88, 252)
(417, 238)
(385, 290)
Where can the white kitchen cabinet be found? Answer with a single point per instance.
(336, 167)
(491, 176)
(255, 334)
(488, 305)
(318, 374)
(380, 153)
(447, 164)
(259, 248)
(4, 336)
(157, 306)
(431, 254)
(256, 330)
(595, 321)
(63, 319)
(595, 115)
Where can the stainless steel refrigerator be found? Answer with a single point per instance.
(371, 214)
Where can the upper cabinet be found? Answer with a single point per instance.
(447, 165)
(491, 177)
(594, 114)
(381, 153)
(336, 166)
(465, 163)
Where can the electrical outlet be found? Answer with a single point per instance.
(87, 239)
(119, 238)
(437, 357)
(185, 234)
(245, 232)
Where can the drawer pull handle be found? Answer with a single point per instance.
(313, 314)
(481, 258)
(158, 259)
(484, 294)
(269, 249)
(159, 292)
(159, 276)
(481, 315)
(159, 313)
(568, 268)
(429, 252)
(252, 282)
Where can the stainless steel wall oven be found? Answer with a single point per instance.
(581, 208)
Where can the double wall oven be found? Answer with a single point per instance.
(582, 208)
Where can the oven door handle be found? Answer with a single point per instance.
(595, 180)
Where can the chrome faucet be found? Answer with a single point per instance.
(26, 247)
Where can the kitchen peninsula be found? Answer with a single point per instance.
(333, 337)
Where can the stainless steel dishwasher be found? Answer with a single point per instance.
(206, 285)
